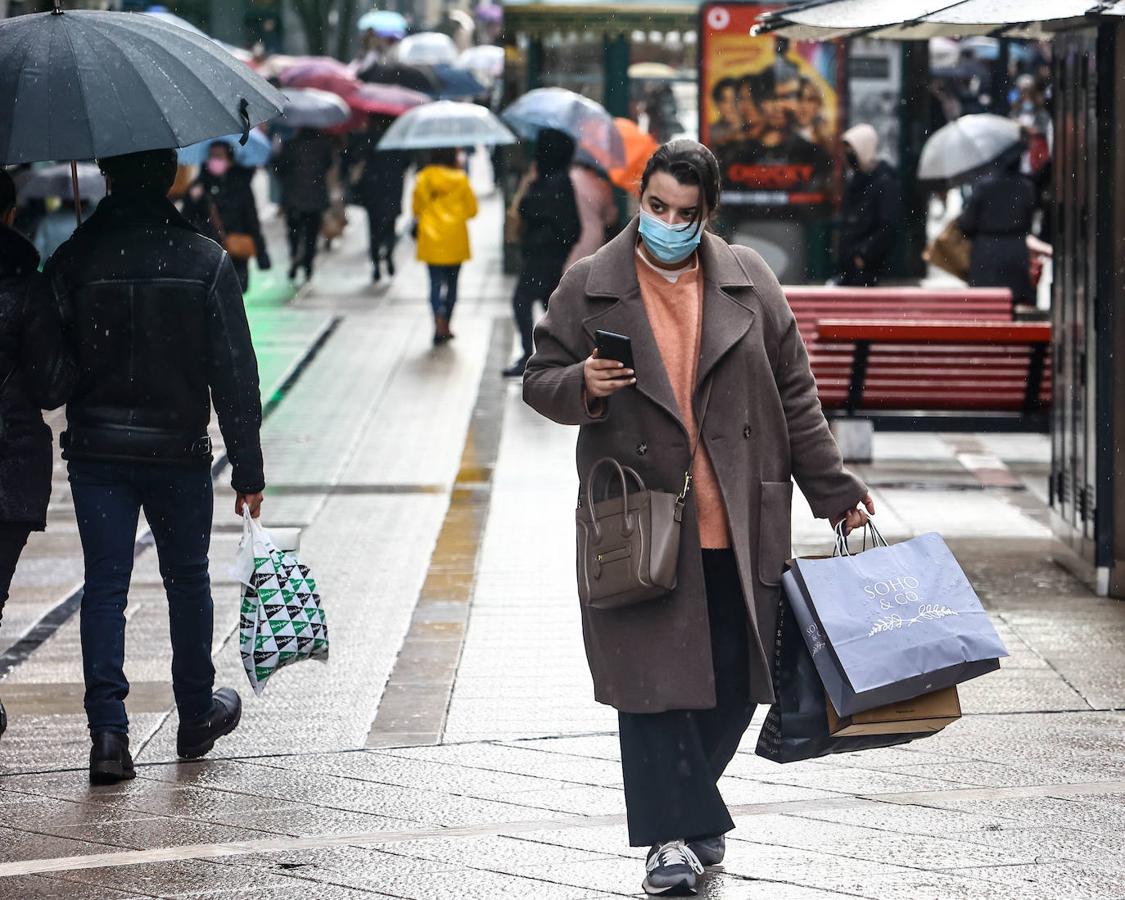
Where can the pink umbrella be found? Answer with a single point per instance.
(322, 73)
(385, 99)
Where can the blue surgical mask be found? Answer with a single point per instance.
(670, 244)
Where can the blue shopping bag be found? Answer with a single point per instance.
(891, 623)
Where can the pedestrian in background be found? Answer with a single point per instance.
(302, 170)
(549, 227)
(159, 331)
(443, 204)
(221, 205)
(376, 178)
(997, 219)
(597, 211)
(871, 211)
(36, 372)
(713, 340)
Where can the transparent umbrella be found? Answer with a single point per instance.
(957, 152)
(383, 22)
(57, 181)
(485, 59)
(312, 108)
(445, 124)
(583, 119)
(427, 49)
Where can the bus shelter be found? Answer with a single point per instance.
(1087, 480)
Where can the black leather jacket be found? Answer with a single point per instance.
(160, 331)
(36, 371)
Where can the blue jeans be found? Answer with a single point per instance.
(178, 502)
(443, 289)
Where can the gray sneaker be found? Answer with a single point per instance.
(672, 870)
(710, 851)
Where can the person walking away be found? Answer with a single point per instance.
(871, 211)
(549, 228)
(997, 219)
(37, 372)
(719, 367)
(221, 205)
(597, 211)
(376, 178)
(55, 227)
(302, 168)
(443, 204)
(159, 331)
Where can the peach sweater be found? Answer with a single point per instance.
(675, 312)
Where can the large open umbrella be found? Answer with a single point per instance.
(57, 181)
(88, 84)
(321, 73)
(254, 153)
(312, 108)
(445, 124)
(457, 84)
(383, 22)
(639, 147)
(483, 60)
(385, 99)
(428, 48)
(583, 119)
(957, 152)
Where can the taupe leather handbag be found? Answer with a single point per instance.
(628, 546)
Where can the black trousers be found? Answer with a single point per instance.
(537, 282)
(304, 230)
(381, 237)
(13, 538)
(672, 761)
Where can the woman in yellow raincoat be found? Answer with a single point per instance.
(443, 204)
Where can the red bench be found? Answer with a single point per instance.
(942, 374)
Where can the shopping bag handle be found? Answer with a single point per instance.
(842, 545)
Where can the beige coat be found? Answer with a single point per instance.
(763, 427)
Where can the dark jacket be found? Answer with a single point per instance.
(232, 197)
(872, 216)
(302, 169)
(376, 176)
(549, 222)
(36, 371)
(997, 219)
(160, 331)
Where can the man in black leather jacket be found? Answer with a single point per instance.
(159, 331)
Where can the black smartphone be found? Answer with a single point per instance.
(616, 347)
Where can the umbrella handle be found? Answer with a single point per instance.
(244, 112)
(74, 185)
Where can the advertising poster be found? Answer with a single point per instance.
(769, 110)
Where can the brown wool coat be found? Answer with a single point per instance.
(764, 427)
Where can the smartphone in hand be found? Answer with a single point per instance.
(614, 347)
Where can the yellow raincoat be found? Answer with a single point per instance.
(443, 204)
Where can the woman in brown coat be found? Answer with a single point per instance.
(686, 670)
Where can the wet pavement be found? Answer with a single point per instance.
(451, 746)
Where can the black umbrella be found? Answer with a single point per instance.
(88, 84)
(457, 84)
(413, 77)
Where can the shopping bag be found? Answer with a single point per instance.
(796, 726)
(281, 620)
(891, 623)
(922, 715)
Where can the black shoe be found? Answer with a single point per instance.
(376, 275)
(197, 737)
(390, 267)
(515, 370)
(110, 761)
(293, 273)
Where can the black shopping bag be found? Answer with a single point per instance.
(796, 726)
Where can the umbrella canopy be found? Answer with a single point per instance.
(639, 147)
(385, 99)
(457, 84)
(445, 124)
(254, 153)
(55, 181)
(583, 119)
(383, 22)
(958, 151)
(428, 48)
(652, 71)
(312, 108)
(492, 13)
(944, 52)
(87, 84)
(485, 59)
(322, 73)
(416, 78)
(163, 13)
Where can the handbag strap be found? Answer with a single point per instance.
(689, 475)
(216, 219)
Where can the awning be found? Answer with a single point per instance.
(922, 19)
(539, 17)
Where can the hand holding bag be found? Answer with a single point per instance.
(239, 246)
(629, 546)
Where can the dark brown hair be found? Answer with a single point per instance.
(689, 162)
